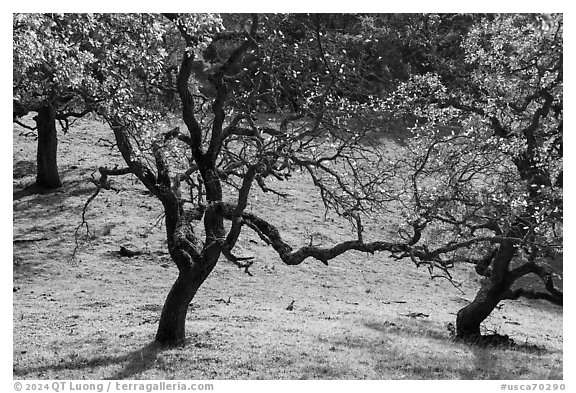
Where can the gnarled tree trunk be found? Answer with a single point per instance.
(47, 167)
(470, 317)
(194, 266)
(171, 329)
(494, 286)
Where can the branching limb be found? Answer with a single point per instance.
(236, 218)
(84, 222)
(546, 275)
(357, 218)
(144, 174)
(186, 96)
(101, 183)
(23, 125)
(217, 80)
(265, 188)
(447, 276)
(530, 294)
(497, 126)
(241, 262)
(183, 245)
(106, 142)
(420, 255)
(271, 236)
(176, 133)
(64, 117)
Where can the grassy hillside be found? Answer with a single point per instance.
(93, 314)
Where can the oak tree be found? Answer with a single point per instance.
(491, 193)
(486, 173)
(65, 66)
(203, 167)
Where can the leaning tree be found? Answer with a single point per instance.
(486, 170)
(203, 166)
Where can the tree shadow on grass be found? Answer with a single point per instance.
(41, 195)
(137, 362)
(29, 190)
(491, 356)
(23, 168)
(488, 358)
(489, 363)
(420, 328)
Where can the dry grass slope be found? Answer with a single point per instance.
(93, 315)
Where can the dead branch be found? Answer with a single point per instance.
(125, 252)
(226, 302)
(110, 144)
(37, 239)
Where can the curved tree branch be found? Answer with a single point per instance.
(271, 236)
(546, 275)
(217, 80)
(529, 294)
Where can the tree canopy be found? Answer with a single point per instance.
(498, 175)
(69, 65)
(482, 182)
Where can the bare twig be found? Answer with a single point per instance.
(101, 183)
(15, 120)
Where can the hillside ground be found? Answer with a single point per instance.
(83, 311)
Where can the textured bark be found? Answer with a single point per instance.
(171, 329)
(47, 167)
(194, 265)
(493, 290)
(470, 317)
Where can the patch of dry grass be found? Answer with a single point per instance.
(94, 316)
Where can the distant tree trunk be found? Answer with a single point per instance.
(494, 287)
(47, 167)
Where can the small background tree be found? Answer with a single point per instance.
(67, 65)
(50, 70)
